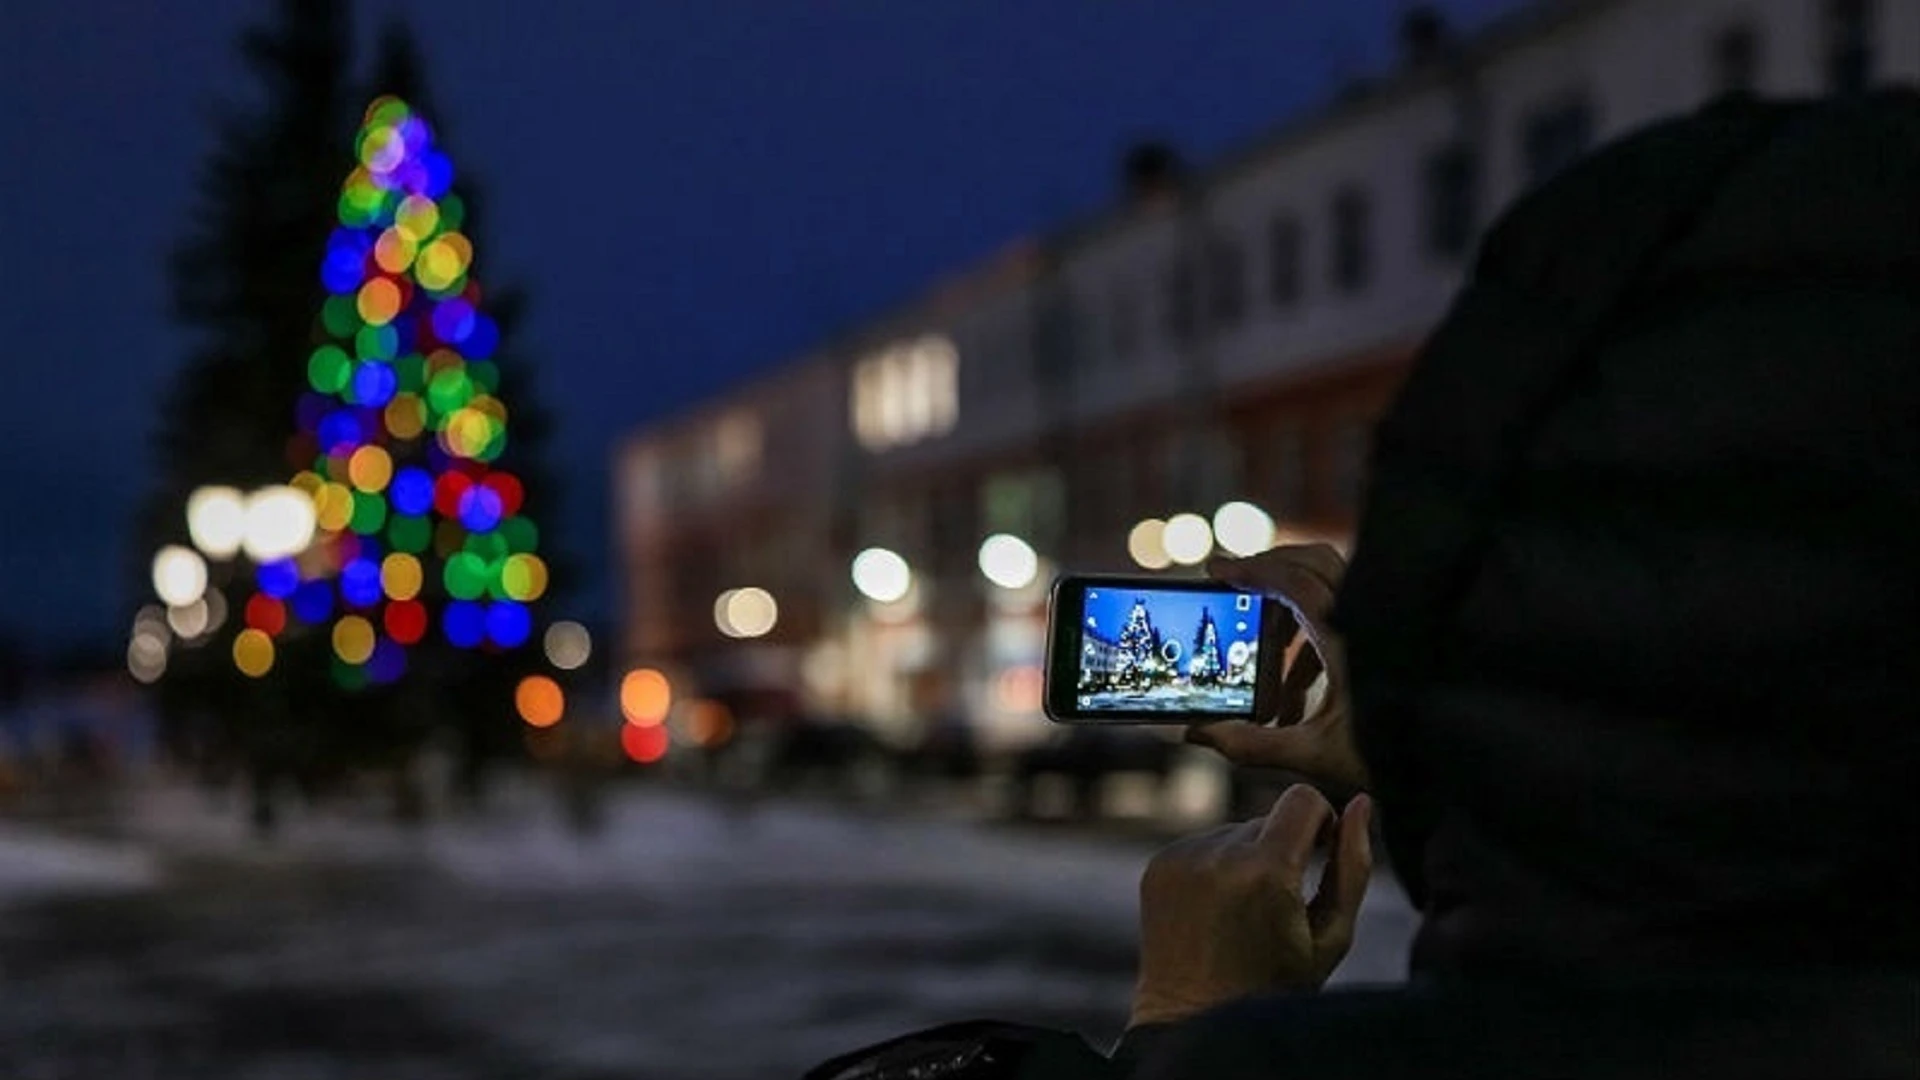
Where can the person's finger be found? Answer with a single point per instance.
(1301, 589)
(1307, 574)
(1252, 744)
(1292, 828)
(1306, 668)
(1343, 885)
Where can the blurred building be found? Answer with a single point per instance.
(1228, 334)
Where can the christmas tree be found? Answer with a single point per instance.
(1139, 660)
(1206, 666)
(302, 669)
(401, 435)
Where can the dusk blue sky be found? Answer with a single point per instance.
(692, 190)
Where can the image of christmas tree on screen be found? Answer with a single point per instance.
(420, 532)
(1174, 651)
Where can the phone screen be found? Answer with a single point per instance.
(1155, 650)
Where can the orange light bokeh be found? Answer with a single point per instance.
(645, 697)
(540, 701)
(711, 723)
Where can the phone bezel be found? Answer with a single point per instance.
(1063, 650)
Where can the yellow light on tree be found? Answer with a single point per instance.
(353, 639)
(253, 653)
(401, 576)
(523, 577)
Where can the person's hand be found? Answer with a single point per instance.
(1225, 913)
(1319, 744)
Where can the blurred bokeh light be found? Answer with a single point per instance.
(1242, 529)
(540, 701)
(1188, 539)
(1146, 544)
(568, 645)
(179, 575)
(217, 520)
(645, 697)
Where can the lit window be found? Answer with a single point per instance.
(644, 496)
(736, 446)
(906, 393)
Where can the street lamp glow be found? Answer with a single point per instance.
(280, 523)
(745, 613)
(568, 645)
(146, 658)
(217, 520)
(1188, 539)
(1243, 529)
(1008, 561)
(189, 620)
(881, 575)
(1147, 544)
(179, 575)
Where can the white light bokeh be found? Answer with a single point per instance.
(146, 658)
(1188, 539)
(881, 575)
(217, 520)
(189, 620)
(746, 613)
(1243, 529)
(1146, 543)
(1008, 561)
(568, 645)
(179, 575)
(280, 523)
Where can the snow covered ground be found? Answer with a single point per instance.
(690, 938)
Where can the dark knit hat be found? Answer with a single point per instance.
(1633, 619)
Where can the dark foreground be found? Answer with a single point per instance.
(687, 940)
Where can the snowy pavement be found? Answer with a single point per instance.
(688, 939)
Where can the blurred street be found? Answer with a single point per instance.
(690, 938)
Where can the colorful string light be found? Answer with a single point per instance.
(400, 434)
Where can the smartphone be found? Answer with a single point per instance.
(1142, 650)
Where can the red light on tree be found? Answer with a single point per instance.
(267, 615)
(406, 621)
